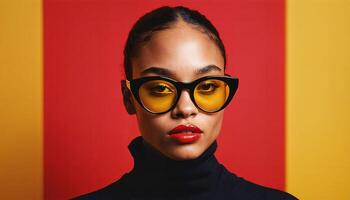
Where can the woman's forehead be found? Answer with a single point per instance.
(179, 49)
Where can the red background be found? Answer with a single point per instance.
(86, 127)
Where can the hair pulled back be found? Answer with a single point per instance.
(160, 19)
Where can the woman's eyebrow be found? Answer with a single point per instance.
(207, 69)
(158, 70)
(168, 73)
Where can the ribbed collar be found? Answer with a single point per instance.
(157, 176)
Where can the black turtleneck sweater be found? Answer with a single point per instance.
(156, 177)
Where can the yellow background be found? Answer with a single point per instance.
(21, 99)
(318, 99)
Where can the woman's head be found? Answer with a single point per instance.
(177, 45)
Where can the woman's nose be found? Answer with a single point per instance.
(185, 107)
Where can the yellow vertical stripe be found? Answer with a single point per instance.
(21, 171)
(318, 99)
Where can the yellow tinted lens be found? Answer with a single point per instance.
(157, 95)
(210, 95)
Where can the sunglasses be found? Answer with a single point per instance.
(157, 94)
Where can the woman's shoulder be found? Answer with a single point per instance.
(111, 191)
(247, 190)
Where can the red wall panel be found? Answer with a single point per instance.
(86, 129)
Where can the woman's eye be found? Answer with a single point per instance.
(207, 87)
(160, 90)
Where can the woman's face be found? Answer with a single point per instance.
(181, 52)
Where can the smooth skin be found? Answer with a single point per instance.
(182, 52)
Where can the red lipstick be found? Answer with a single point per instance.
(185, 134)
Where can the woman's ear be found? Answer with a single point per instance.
(127, 99)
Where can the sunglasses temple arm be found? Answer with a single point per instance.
(126, 83)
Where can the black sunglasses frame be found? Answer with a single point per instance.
(135, 84)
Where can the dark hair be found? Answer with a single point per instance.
(162, 18)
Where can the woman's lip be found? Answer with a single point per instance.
(185, 138)
(184, 129)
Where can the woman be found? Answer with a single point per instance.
(177, 87)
